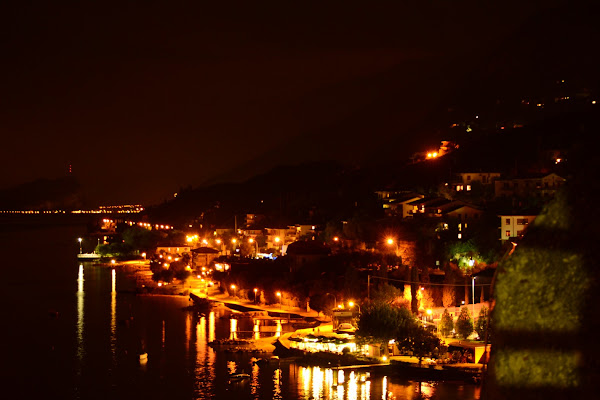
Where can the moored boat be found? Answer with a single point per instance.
(200, 301)
(238, 377)
(88, 256)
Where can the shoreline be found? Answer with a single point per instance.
(402, 366)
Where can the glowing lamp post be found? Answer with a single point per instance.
(277, 240)
(79, 240)
(352, 304)
(279, 295)
(391, 242)
(233, 288)
(255, 290)
(251, 240)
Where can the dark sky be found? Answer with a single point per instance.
(143, 99)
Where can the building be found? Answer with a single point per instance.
(203, 256)
(485, 178)
(173, 250)
(514, 225)
(537, 185)
(399, 204)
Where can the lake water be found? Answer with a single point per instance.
(71, 335)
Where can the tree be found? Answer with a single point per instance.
(386, 293)
(321, 303)
(464, 323)
(140, 238)
(481, 325)
(382, 322)
(414, 287)
(419, 340)
(446, 324)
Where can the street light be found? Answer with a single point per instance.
(79, 240)
(233, 288)
(251, 240)
(390, 241)
(255, 290)
(279, 295)
(352, 304)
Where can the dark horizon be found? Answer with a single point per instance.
(143, 101)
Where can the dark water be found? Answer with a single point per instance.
(90, 349)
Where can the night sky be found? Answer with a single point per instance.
(144, 99)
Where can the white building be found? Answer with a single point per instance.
(513, 226)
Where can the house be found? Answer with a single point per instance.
(279, 238)
(253, 219)
(173, 250)
(304, 253)
(514, 225)
(203, 256)
(428, 206)
(485, 178)
(303, 230)
(399, 205)
(464, 180)
(536, 185)
(461, 212)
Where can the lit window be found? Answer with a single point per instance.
(468, 188)
(460, 235)
(507, 233)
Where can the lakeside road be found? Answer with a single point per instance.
(143, 276)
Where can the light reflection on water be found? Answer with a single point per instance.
(80, 311)
(113, 319)
(208, 369)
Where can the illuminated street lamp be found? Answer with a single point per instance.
(391, 242)
(79, 240)
(233, 288)
(251, 240)
(352, 304)
(279, 295)
(255, 290)
(278, 240)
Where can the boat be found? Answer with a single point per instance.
(238, 377)
(202, 302)
(88, 256)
